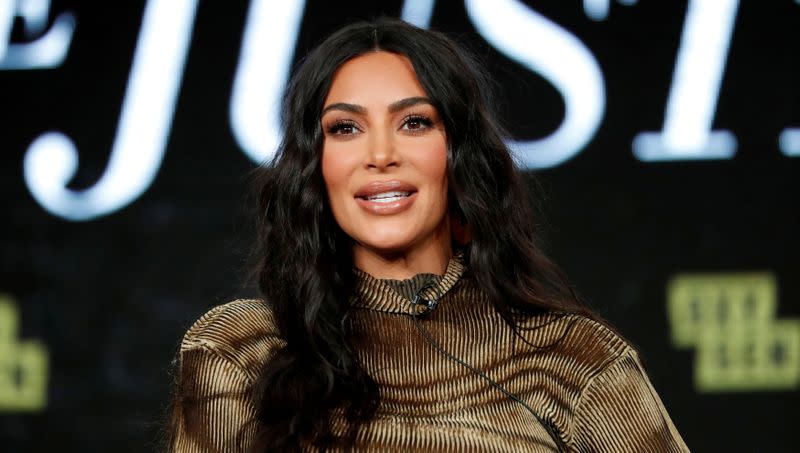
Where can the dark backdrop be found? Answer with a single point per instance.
(108, 298)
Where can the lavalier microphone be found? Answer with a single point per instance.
(421, 306)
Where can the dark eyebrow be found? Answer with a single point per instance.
(394, 107)
(408, 102)
(353, 108)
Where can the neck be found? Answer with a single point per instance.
(430, 258)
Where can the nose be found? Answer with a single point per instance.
(382, 151)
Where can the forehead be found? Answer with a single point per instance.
(374, 78)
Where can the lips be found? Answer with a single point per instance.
(384, 189)
(386, 197)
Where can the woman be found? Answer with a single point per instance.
(406, 304)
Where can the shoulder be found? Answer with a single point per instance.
(584, 346)
(616, 406)
(595, 341)
(241, 332)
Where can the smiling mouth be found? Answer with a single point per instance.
(386, 197)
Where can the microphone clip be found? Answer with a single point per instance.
(423, 307)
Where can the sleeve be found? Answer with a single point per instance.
(214, 410)
(620, 411)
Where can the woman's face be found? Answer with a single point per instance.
(384, 158)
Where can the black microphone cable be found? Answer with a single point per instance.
(420, 308)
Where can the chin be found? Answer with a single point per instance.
(387, 245)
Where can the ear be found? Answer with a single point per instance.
(459, 230)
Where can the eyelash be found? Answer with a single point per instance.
(337, 127)
(424, 121)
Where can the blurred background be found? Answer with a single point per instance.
(664, 136)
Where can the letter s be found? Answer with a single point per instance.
(563, 60)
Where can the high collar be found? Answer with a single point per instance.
(377, 294)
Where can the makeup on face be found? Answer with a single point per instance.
(384, 158)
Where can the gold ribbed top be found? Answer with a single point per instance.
(574, 372)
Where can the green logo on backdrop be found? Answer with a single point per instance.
(731, 321)
(23, 365)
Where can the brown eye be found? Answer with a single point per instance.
(415, 123)
(343, 128)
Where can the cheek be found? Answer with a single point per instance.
(433, 164)
(336, 171)
(339, 162)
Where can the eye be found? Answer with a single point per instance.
(416, 123)
(343, 127)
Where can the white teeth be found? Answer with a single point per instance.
(387, 197)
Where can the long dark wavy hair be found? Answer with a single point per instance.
(305, 268)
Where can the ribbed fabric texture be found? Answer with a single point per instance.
(572, 371)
